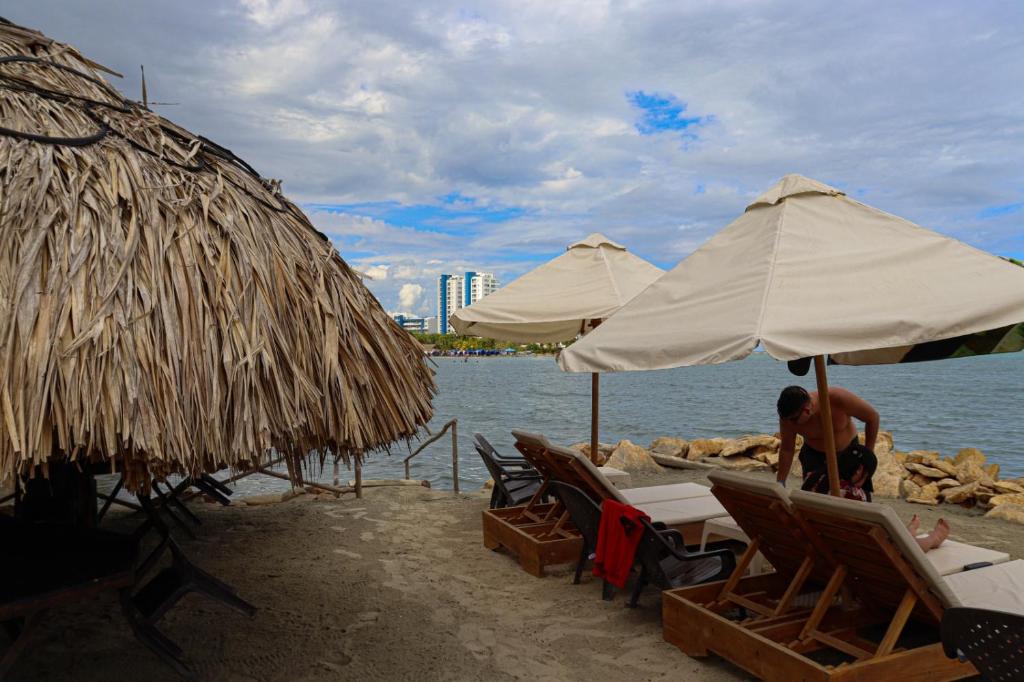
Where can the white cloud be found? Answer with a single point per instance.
(409, 296)
(376, 272)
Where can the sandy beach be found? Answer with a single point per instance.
(393, 586)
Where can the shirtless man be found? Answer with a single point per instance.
(799, 413)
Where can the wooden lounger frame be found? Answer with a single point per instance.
(779, 534)
(858, 556)
(539, 534)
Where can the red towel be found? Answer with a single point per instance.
(617, 537)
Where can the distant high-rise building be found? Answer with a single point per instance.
(480, 284)
(459, 291)
(411, 323)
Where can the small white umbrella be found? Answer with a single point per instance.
(562, 299)
(807, 271)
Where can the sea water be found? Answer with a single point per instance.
(944, 405)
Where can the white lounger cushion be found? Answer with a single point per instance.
(999, 587)
(617, 477)
(951, 556)
(681, 512)
(664, 493)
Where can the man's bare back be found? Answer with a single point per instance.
(807, 423)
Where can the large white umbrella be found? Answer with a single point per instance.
(807, 271)
(562, 299)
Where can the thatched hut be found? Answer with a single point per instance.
(164, 309)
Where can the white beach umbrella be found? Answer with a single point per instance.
(807, 271)
(562, 299)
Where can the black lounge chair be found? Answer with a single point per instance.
(170, 500)
(666, 562)
(49, 564)
(515, 479)
(586, 516)
(145, 606)
(663, 558)
(993, 641)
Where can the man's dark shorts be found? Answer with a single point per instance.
(852, 460)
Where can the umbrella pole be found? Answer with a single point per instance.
(826, 425)
(595, 409)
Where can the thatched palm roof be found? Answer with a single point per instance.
(163, 308)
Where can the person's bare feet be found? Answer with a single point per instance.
(914, 525)
(936, 537)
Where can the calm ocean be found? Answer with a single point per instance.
(944, 406)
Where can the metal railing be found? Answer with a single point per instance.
(452, 424)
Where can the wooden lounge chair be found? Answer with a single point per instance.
(763, 511)
(993, 641)
(538, 533)
(885, 626)
(685, 513)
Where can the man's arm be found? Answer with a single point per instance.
(857, 407)
(787, 435)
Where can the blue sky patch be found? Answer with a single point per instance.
(456, 214)
(662, 113)
(998, 211)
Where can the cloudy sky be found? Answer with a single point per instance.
(430, 137)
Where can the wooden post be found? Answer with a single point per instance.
(595, 404)
(595, 411)
(455, 456)
(359, 478)
(826, 425)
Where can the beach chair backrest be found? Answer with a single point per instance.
(533, 447)
(590, 479)
(763, 510)
(882, 558)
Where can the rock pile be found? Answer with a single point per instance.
(966, 479)
(919, 476)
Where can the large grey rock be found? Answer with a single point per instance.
(668, 445)
(925, 470)
(886, 484)
(909, 489)
(1007, 512)
(1007, 487)
(604, 451)
(738, 463)
(922, 457)
(969, 455)
(969, 470)
(705, 447)
(749, 446)
(1010, 498)
(928, 494)
(883, 442)
(629, 456)
(961, 493)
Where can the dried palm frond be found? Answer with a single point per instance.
(162, 308)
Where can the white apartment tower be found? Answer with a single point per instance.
(459, 291)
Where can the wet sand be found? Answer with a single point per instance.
(394, 586)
